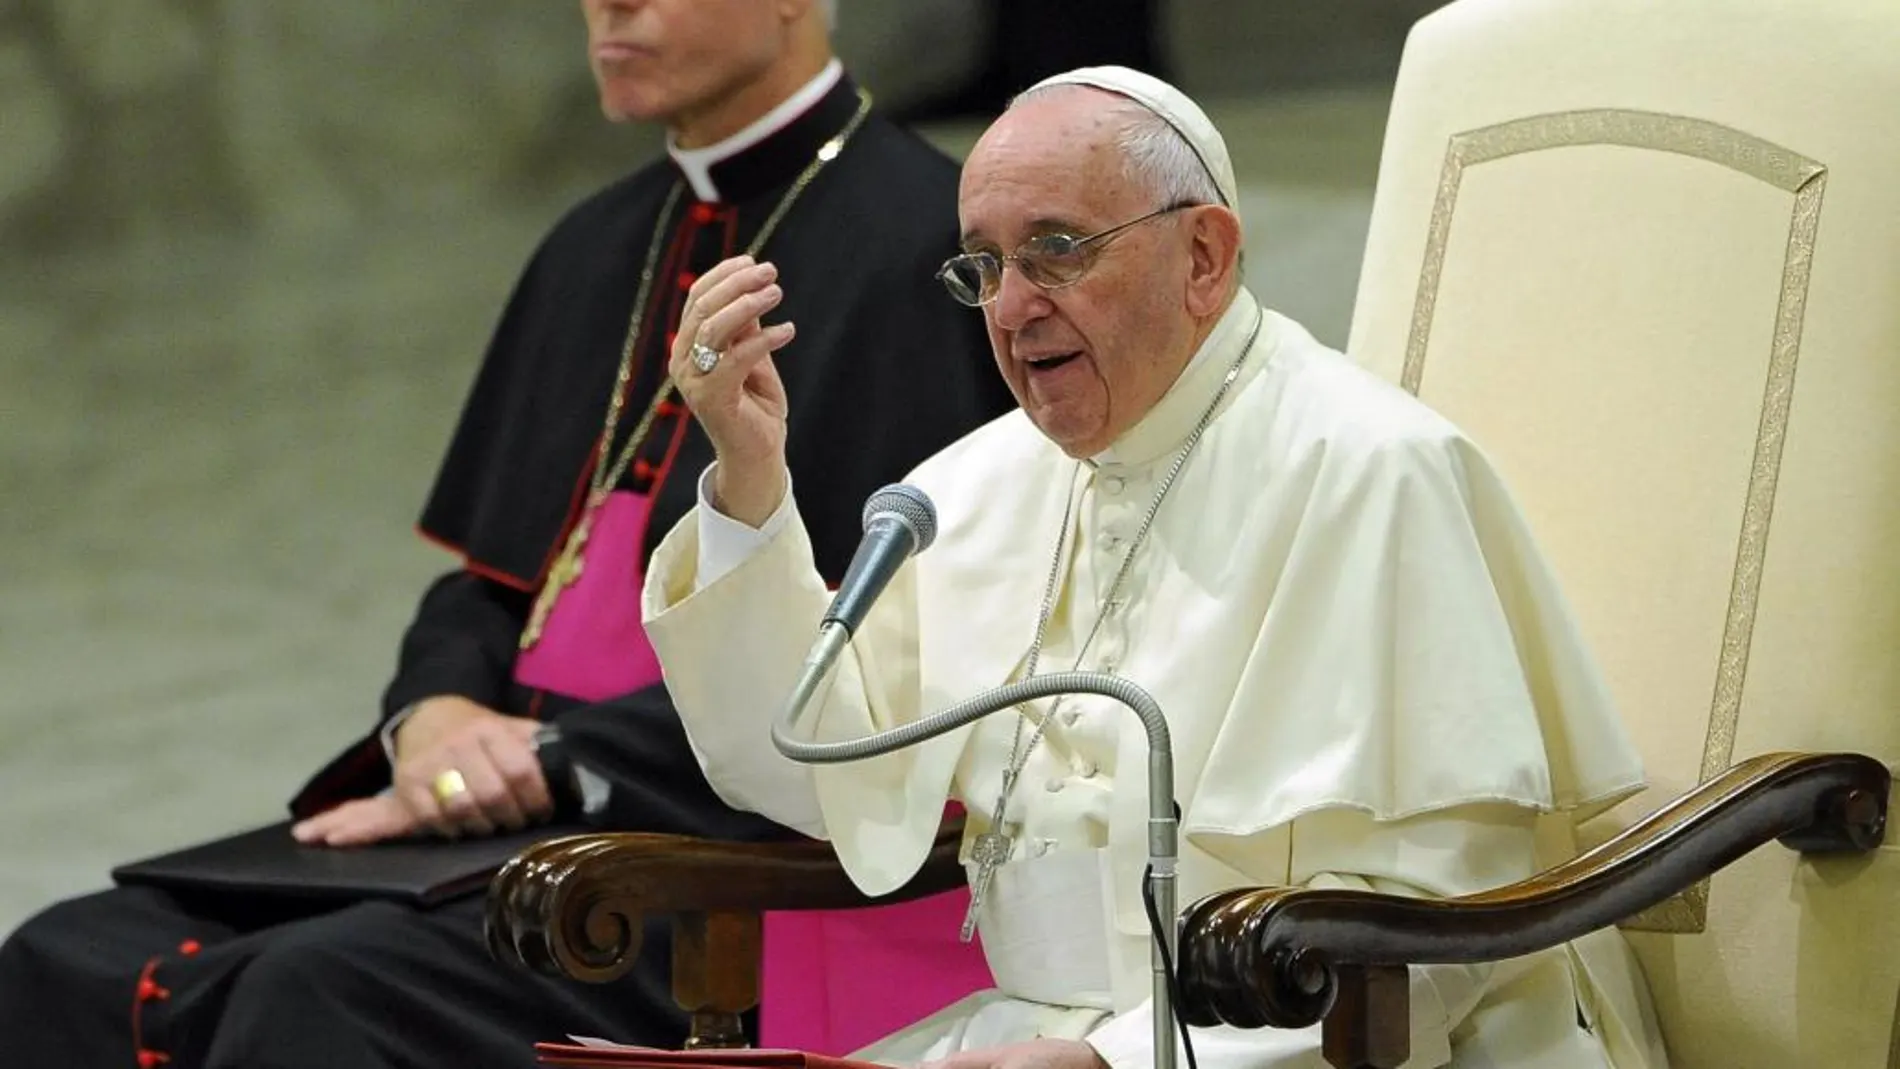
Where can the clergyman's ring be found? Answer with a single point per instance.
(705, 357)
(447, 784)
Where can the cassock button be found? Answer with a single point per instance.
(148, 1059)
(667, 409)
(704, 213)
(642, 470)
(1114, 484)
(1054, 785)
(686, 280)
(189, 947)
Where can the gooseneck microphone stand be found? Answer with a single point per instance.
(1163, 843)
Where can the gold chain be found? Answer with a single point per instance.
(827, 152)
(567, 566)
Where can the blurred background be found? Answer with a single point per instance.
(249, 257)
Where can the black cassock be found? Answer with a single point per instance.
(885, 370)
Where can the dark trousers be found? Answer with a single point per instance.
(226, 982)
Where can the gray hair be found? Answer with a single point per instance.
(1154, 154)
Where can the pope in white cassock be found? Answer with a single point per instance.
(1370, 676)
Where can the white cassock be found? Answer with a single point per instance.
(1369, 675)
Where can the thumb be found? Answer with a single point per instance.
(380, 818)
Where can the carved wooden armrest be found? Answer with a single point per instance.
(575, 906)
(1288, 958)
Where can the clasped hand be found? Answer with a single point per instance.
(493, 752)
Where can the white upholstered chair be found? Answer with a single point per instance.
(1648, 255)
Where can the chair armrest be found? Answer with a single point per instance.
(1288, 958)
(574, 906)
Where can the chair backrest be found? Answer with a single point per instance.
(1648, 255)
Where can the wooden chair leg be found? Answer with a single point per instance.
(716, 974)
(1370, 1024)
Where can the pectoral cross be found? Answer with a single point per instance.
(991, 851)
(563, 573)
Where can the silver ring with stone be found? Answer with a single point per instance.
(705, 357)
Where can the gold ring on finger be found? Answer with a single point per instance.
(447, 784)
(705, 357)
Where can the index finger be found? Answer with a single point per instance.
(352, 822)
(377, 820)
(711, 297)
(720, 271)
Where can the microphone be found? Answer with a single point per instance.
(899, 522)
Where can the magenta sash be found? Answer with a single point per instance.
(593, 646)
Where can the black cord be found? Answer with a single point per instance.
(1167, 958)
(1167, 964)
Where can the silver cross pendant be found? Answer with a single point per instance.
(990, 852)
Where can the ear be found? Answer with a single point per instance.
(1213, 258)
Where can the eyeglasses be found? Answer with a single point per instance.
(1050, 261)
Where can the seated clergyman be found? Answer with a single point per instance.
(1371, 678)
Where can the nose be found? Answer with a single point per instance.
(1019, 302)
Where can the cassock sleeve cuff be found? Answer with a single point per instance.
(387, 733)
(725, 543)
(1126, 1040)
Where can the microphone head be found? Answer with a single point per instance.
(908, 505)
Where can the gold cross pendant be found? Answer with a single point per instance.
(564, 573)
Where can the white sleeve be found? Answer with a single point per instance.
(734, 648)
(725, 543)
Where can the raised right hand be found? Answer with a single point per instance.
(741, 402)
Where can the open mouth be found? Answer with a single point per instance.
(1052, 361)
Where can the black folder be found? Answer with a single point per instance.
(268, 862)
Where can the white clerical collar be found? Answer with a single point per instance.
(697, 163)
(1174, 417)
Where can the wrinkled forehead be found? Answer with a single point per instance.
(1053, 156)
